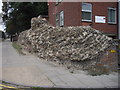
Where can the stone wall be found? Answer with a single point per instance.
(64, 44)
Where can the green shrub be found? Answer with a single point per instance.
(18, 47)
(98, 70)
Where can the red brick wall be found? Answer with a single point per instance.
(72, 14)
(51, 13)
(100, 9)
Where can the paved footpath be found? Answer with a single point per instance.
(31, 71)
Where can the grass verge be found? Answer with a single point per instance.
(41, 88)
(1, 40)
(98, 70)
(3, 82)
(18, 47)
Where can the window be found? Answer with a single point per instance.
(112, 15)
(62, 18)
(57, 20)
(86, 12)
(58, 1)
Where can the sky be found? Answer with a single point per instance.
(0, 5)
(1, 21)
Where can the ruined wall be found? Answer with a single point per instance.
(76, 44)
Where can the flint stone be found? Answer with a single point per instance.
(78, 43)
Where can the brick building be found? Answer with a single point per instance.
(99, 15)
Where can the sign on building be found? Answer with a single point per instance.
(100, 19)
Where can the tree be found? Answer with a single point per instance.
(2, 34)
(18, 14)
(5, 9)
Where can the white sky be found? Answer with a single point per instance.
(1, 21)
(0, 5)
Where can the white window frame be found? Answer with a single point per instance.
(62, 18)
(115, 15)
(57, 2)
(90, 11)
(57, 20)
(60, 0)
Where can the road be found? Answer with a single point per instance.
(31, 71)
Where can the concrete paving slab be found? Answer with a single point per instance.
(30, 70)
(51, 73)
(108, 83)
(72, 81)
(113, 77)
(55, 79)
(27, 75)
(88, 81)
(62, 85)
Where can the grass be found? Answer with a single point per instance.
(4, 82)
(98, 70)
(18, 47)
(36, 88)
(40, 88)
(17, 87)
(1, 40)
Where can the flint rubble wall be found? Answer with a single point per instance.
(71, 46)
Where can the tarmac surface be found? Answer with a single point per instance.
(29, 70)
